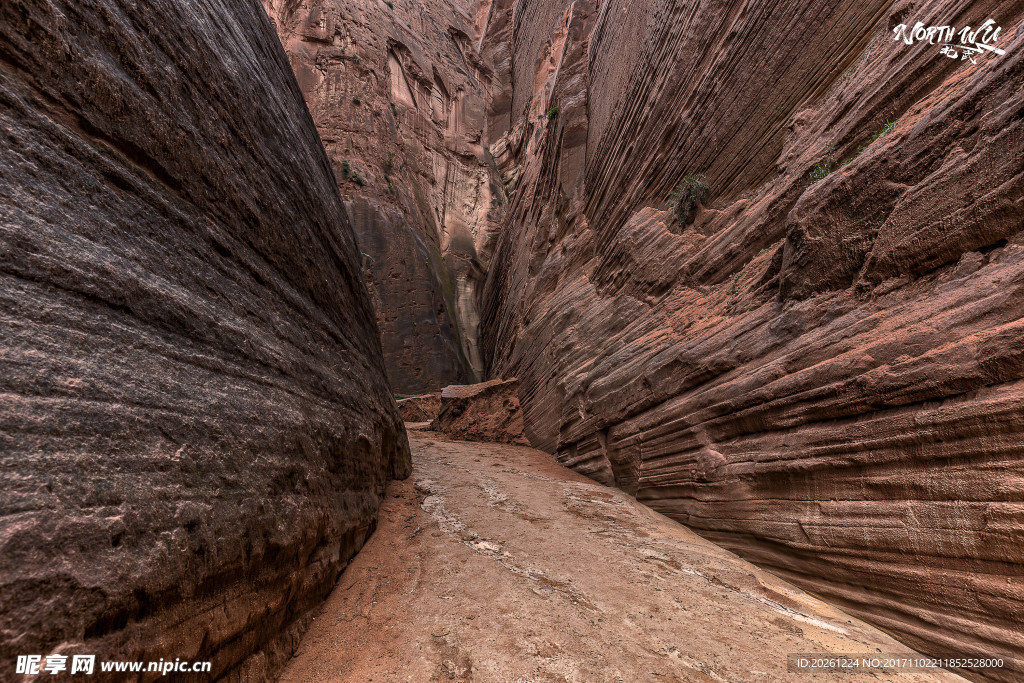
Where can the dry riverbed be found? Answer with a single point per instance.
(494, 563)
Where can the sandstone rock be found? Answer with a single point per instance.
(825, 377)
(196, 428)
(488, 411)
(420, 408)
(505, 566)
(398, 94)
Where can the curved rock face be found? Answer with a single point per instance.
(823, 371)
(196, 428)
(397, 91)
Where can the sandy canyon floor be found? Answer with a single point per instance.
(495, 563)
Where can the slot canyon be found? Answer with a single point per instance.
(511, 339)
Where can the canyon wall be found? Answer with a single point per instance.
(196, 428)
(823, 370)
(397, 91)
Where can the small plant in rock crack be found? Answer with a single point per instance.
(883, 131)
(552, 113)
(346, 168)
(358, 179)
(823, 168)
(886, 128)
(394, 110)
(389, 161)
(693, 190)
(356, 101)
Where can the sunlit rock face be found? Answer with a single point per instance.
(398, 92)
(196, 427)
(823, 370)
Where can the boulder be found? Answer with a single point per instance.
(488, 411)
(420, 408)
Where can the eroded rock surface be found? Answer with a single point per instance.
(522, 570)
(195, 425)
(825, 377)
(397, 91)
(488, 411)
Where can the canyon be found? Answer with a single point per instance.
(819, 372)
(233, 234)
(396, 92)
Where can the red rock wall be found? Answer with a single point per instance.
(196, 428)
(397, 93)
(825, 377)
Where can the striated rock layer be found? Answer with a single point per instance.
(397, 91)
(824, 375)
(196, 428)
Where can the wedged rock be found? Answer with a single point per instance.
(195, 428)
(420, 408)
(488, 411)
(823, 375)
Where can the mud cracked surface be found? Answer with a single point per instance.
(493, 562)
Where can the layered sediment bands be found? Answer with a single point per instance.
(196, 428)
(822, 376)
(397, 91)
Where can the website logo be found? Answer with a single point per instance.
(967, 43)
